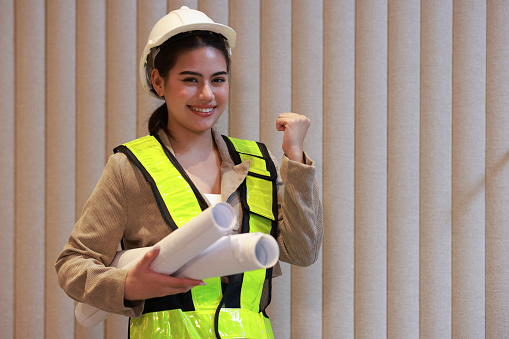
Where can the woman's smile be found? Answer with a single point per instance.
(202, 111)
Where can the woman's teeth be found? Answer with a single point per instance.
(203, 110)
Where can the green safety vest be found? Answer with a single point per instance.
(213, 310)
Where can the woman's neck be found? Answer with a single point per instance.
(199, 156)
(191, 143)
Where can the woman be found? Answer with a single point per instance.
(187, 64)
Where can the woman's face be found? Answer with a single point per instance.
(196, 90)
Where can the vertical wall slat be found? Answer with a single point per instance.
(370, 169)
(7, 170)
(244, 108)
(338, 168)
(121, 76)
(147, 14)
(121, 80)
(435, 170)
(60, 156)
(217, 10)
(307, 99)
(468, 164)
(275, 98)
(497, 170)
(30, 168)
(403, 169)
(90, 111)
(276, 70)
(176, 4)
(278, 311)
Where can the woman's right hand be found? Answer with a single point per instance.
(142, 282)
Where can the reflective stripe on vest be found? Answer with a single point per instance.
(168, 180)
(260, 208)
(175, 324)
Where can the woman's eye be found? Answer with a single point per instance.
(219, 80)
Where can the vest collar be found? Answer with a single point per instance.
(232, 175)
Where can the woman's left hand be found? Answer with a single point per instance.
(295, 127)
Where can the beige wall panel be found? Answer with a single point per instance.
(371, 169)
(244, 107)
(7, 166)
(116, 326)
(468, 164)
(217, 10)
(90, 96)
(497, 170)
(276, 70)
(275, 98)
(403, 169)
(435, 169)
(147, 14)
(121, 84)
(280, 306)
(176, 4)
(90, 110)
(338, 168)
(60, 157)
(30, 168)
(307, 73)
(121, 76)
(307, 99)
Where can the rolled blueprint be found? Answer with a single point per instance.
(185, 243)
(226, 256)
(176, 249)
(231, 255)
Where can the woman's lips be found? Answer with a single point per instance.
(203, 111)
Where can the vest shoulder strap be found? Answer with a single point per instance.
(261, 162)
(162, 171)
(258, 196)
(261, 180)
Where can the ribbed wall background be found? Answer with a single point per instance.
(409, 102)
(435, 198)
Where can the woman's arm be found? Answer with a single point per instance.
(300, 216)
(121, 206)
(82, 266)
(300, 224)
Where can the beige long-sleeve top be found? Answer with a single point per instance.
(122, 206)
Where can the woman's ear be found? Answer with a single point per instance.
(157, 82)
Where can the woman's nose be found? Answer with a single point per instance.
(206, 92)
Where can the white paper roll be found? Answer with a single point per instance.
(232, 255)
(229, 255)
(188, 241)
(185, 243)
(89, 316)
(176, 249)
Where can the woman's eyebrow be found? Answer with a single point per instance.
(220, 73)
(191, 73)
(201, 75)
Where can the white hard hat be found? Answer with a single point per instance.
(173, 23)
